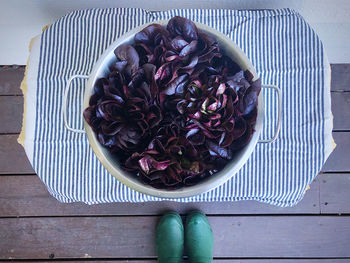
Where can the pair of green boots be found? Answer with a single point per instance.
(197, 237)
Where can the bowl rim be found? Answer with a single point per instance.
(187, 191)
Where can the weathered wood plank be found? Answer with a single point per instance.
(11, 77)
(28, 196)
(341, 110)
(14, 161)
(338, 161)
(11, 109)
(12, 156)
(340, 77)
(282, 260)
(123, 237)
(10, 80)
(335, 193)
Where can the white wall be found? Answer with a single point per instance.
(20, 20)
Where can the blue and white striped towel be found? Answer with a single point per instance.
(285, 51)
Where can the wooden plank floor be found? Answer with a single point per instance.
(35, 227)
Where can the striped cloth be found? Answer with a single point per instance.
(281, 45)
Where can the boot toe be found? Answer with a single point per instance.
(199, 238)
(170, 238)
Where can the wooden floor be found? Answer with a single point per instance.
(36, 227)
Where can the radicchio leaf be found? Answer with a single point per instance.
(174, 108)
(129, 54)
(180, 26)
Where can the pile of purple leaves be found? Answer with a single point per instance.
(174, 108)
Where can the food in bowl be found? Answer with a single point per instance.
(174, 108)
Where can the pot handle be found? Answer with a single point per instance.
(64, 106)
(278, 127)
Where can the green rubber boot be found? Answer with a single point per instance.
(199, 239)
(170, 239)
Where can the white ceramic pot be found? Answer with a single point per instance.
(101, 69)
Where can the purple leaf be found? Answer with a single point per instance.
(216, 150)
(172, 87)
(180, 26)
(129, 54)
(174, 107)
(178, 43)
(148, 34)
(189, 49)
